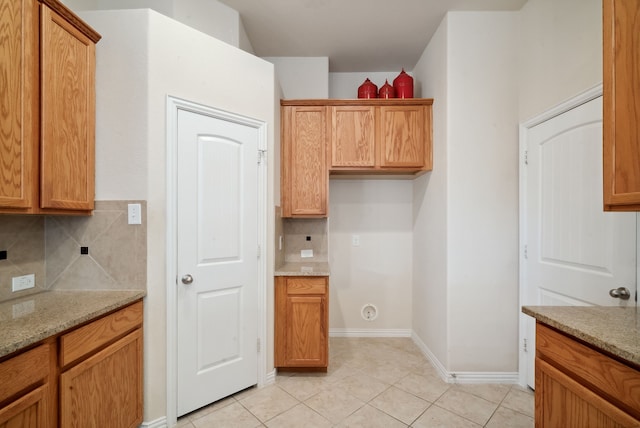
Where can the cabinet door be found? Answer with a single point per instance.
(105, 389)
(353, 136)
(402, 135)
(301, 322)
(29, 411)
(304, 162)
(621, 126)
(563, 402)
(19, 92)
(68, 115)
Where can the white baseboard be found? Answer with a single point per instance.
(158, 423)
(270, 378)
(350, 332)
(464, 377)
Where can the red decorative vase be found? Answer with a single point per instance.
(403, 84)
(368, 90)
(387, 91)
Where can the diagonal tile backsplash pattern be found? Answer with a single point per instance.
(22, 237)
(49, 246)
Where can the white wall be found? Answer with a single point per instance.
(380, 211)
(379, 270)
(477, 203)
(483, 191)
(302, 77)
(560, 52)
(209, 16)
(430, 292)
(226, 78)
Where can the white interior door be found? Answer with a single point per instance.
(217, 258)
(575, 252)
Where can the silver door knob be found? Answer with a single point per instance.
(187, 279)
(620, 292)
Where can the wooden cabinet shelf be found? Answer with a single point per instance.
(301, 322)
(577, 385)
(48, 138)
(621, 100)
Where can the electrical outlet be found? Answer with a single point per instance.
(24, 282)
(355, 240)
(306, 253)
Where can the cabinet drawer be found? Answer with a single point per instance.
(618, 382)
(316, 285)
(24, 370)
(87, 339)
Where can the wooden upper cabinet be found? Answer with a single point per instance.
(353, 136)
(47, 130)
(304, 176)
(68, 115)
(402, 136)
(621, 126)
(379, 136)
(19, 102)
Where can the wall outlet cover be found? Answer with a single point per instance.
(306, 253)
(24, 282)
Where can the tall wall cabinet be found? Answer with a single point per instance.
(47, 114)
(621, 126)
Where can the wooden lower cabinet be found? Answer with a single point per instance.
(105, 389)
(302, 322)
(90, 376)
(578, 386)
(29, 411)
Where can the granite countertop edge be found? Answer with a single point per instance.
(599, 328)
(52, 312)
(303, 269)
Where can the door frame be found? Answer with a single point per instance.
(578, 100)
(173, 105)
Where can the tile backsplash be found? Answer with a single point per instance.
(296, 232)
(50, 247)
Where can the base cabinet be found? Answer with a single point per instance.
(301, 322)
(104, 389)
(90, 376)
(578, 386)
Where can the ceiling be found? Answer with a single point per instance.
(356, 35)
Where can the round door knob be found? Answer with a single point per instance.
(620, 293)
(187, 279)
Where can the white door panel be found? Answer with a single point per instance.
(576, 252)
(217, 246)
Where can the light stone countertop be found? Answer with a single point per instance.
(303, 269)
(613, 329)
(30, 319)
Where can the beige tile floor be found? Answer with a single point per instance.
(370, 383)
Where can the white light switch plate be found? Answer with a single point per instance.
(306, 253)
(135, 213)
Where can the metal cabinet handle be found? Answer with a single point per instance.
(620, 292)
(187, 279)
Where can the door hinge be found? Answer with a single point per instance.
(262, 157)
(259, 251)
(524, 345)
(258, 344)
(526, 157)
(526, 252)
